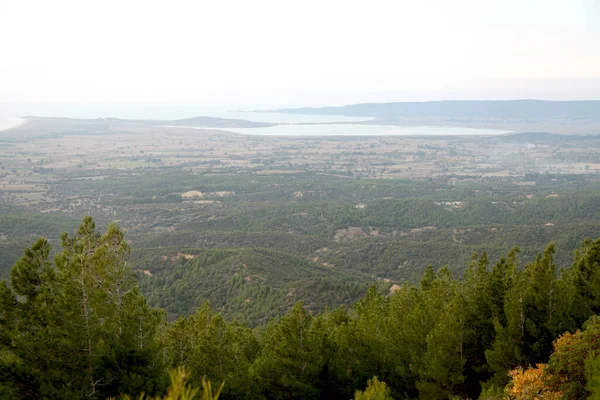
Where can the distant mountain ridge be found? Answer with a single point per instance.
(206, 122)
(588, 109)
(562, 117)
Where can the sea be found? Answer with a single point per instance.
(346, 129)
(11, 114)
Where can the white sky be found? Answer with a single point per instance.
(314, 52)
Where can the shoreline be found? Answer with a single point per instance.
(371, 130)
(18, 122)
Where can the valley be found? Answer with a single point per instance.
(255, 223)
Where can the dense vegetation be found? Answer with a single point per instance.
(77, 326)
(317, 219)
(303, 236)
(251, 285)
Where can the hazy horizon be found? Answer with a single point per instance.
(297, 54)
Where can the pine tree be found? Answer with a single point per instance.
(531, 316)
(79, 314)
(401, 337)
(585, 276)
(361, 342)
(290, 361)
(442, 374)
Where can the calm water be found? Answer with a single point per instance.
(10, 112)
(10, 115)
(363, 130)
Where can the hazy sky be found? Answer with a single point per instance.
(314, 52)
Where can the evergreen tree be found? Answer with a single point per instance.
(290, 361)
(477, 293)
(84, 315)
(585, 275)
(531, 318)
(442, 375)
(360, 343)
(400, 374)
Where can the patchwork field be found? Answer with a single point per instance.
(331, 214)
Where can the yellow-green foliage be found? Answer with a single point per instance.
(491, 392)
(180, 390)
(207, 391)
(592, 376)
(375, 390)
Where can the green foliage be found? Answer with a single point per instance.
(592, 376)
(375, 390)
(78, 326)
(291, 360)
(573, 369)
(208, 346)
(573, 358)
(250, 285)
(491, 392)
(179, 389)
(83, 313)
(535, 313)
(586, 279)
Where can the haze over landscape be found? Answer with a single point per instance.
(300, 54)
(300, 200)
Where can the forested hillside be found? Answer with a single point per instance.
(317, 219)
(300, 200)
(305, 236)
(76, 325)
(296, 267)
(250, 285)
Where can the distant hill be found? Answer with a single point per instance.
(463, 109)
(250, 284)
(540, 137)
(565, 117)
(205, 122)
(39, 126)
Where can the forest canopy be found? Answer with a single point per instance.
(76, 325)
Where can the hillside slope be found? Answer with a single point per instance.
(251, 285)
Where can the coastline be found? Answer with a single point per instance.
(339, 130)
(11, 123)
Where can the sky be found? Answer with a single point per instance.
(307, 52)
